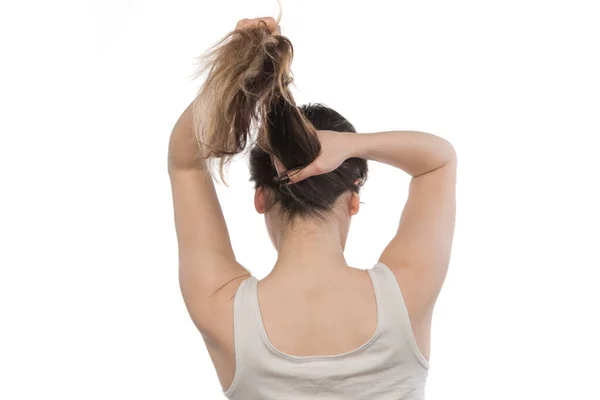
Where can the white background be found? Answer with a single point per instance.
(90, 306)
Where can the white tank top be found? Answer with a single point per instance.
(388, 366)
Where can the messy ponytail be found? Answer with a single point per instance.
(247, 91)
(245, 99)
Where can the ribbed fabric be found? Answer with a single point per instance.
(389, 366)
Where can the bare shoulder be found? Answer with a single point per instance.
(412, 292)
(217, 328)
(218, 331)
(420, 315)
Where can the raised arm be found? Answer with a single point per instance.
(420, 251)
(243, 79)
(206, 259)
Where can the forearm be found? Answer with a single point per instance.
(416, 153)
(183, 147)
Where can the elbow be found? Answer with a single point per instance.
(443, 155)
(450, 153)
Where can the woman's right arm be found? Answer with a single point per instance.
(420, 251)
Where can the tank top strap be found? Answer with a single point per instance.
(246, 328)
(396, 328)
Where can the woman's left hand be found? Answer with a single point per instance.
(336, 147)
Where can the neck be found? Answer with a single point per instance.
(309, 250)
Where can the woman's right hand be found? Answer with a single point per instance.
(270, 22)
(336, 147)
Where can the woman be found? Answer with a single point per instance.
(314, 327)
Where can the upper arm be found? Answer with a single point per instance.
(420, 252)
(206, 259)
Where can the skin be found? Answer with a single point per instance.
(312, 302)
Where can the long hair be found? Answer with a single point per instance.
(246, 99)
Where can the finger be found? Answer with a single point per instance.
(248, 23)
(271, 25)
(269, 22)
(241, 23)
(298, 175)
(279, 167)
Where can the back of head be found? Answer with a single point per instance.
(245, 99)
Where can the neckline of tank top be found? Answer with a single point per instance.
(292, 357)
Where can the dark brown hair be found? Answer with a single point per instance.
(246, 97)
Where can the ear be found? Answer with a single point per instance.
(354, 200)
(260, 200)
(354, 205)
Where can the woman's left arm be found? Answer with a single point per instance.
(206, 260)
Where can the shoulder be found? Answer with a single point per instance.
(218, 330)
(410, 283)
(216, 324)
